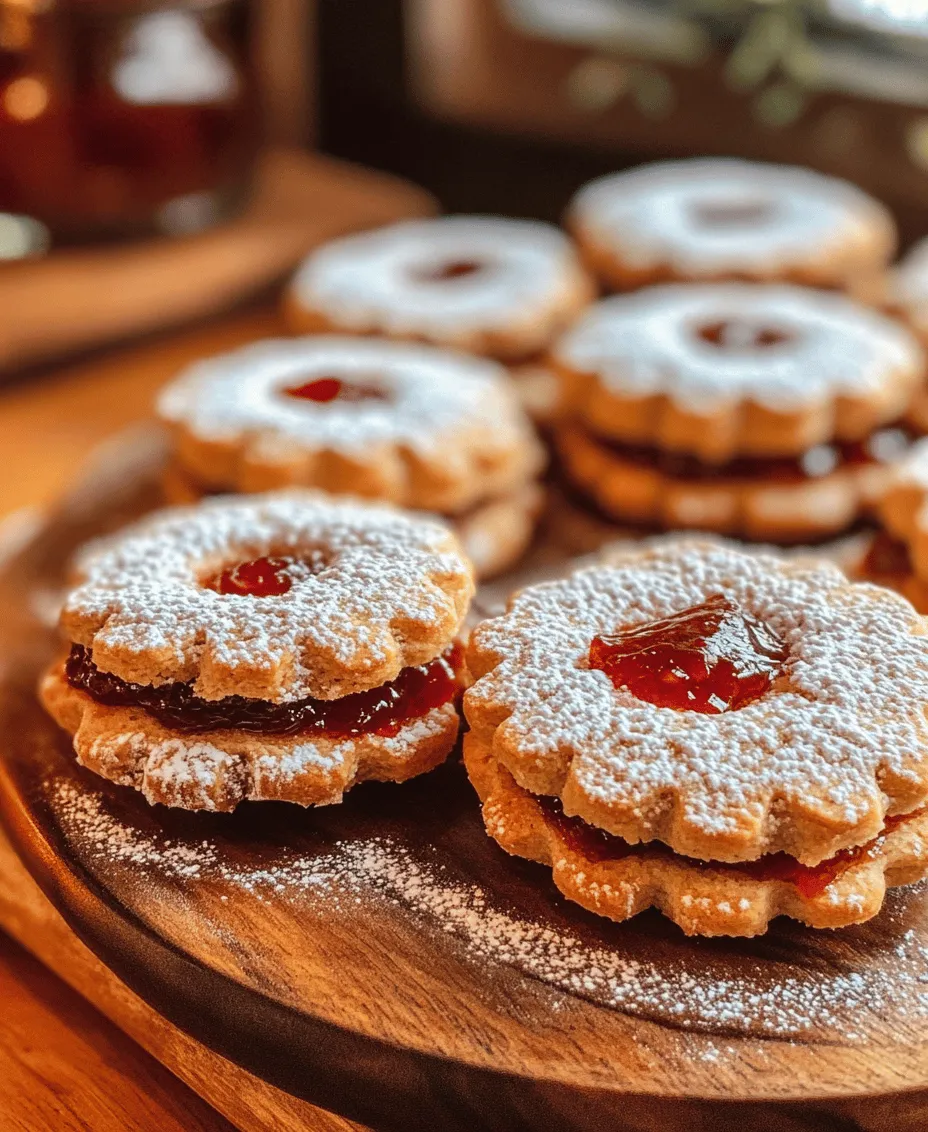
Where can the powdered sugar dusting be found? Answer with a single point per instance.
(525, 282)
(688, 987)
(834, 740)
(432, 400)
(391, 584)
(649, 342)
(660, 215)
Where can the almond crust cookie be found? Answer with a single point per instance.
(700, 898)
(486, 285)
(813, 766)
(725, 370)
(721, 218)
(283, 647)
(782, 508)
(218, 769)
(379, 591)
(411, 425)
(494, 534)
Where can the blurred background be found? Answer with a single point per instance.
(126, 120)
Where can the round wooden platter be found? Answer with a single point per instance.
(384, 959)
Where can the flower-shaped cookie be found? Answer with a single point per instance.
(813, 765)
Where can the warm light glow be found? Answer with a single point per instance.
(25, 98)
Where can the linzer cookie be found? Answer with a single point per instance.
(727, 737)
(488, 285)
(419, 427)
(721, 218)
(280, 647)
(897, 556)
(761, 411)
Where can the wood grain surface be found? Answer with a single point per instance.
(250, 1104)
(299, 949)
(64, 1067)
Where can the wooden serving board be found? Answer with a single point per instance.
(385, 960)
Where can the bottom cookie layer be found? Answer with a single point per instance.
(631, 491)
(701, 898)
(216, 770)
(494, 534)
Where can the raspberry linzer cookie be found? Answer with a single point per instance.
(722, 218)
(725, 737)
(487, 285)
(897, 556)
(282, 647)
(743, 409)
(419, 427)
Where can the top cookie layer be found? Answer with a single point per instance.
(419, 427)
(373, 591)
(811, 767)
(722, 369)
(489, 285)
(723, 218)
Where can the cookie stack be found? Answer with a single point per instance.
(728, 737)
(733, 399)
(418, 427)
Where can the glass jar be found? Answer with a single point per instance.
(122, 117)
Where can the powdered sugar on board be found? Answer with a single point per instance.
(703, 987)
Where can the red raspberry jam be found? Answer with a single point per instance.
(322, 390)
(260, 577)
(453, 269)
(380, 711)
(740, 334)
(810, 880)
(711, 658)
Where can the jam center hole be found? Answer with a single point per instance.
(741, 334)
(449, 270)
(733, 213)
(322, 390)
(267, 576)
(711, 658)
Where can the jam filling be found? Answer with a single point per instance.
(259, 577)
(379, 711)
(452, 269)
(711, 658)
(733, 213)
(887, 558)
(322, 390)
(809, 880)
(740, 334)
(881, 447)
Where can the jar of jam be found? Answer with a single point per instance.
(123, 117)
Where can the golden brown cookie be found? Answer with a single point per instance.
(720, 218)
(724, 370)
(613, 879)
(694, 722)
(499, 287)
(416, 426)
(279, 646)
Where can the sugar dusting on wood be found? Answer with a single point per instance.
(771, 999)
